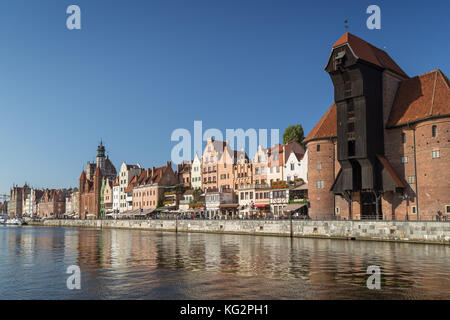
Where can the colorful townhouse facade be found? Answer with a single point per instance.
(149, 187)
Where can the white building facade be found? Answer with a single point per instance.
(126, 173)
(296, 168)
(196, 173)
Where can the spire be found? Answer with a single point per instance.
(101, 150)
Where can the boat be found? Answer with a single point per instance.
(14, 221)
(3, 219)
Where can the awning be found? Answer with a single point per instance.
(294, 206)
(229, 205)
(261, 205)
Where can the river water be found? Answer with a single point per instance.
(133, 264)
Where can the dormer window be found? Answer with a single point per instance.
(339, 59)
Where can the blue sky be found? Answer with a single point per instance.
(140, 69)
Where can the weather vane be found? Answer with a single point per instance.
(346, 25)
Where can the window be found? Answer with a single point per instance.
(319, 165)
(413, 209)
(292, 166)
(435, 154)
(337, 210)
(404, 159)
(447, 209)
(318, 148)
(256, 170)
(350, 110)
(434, 131)
(411, 179)
(351, 148)
(403, 137)
(320, 184)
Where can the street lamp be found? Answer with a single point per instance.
(406, 197)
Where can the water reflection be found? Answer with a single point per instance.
(125, 264)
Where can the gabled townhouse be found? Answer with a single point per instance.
(116, 195)
(108, 196)
(149, 187)
(126, 174)
(296, 167)
(196, 173)
(52, 204)
(184, 173)
(225, 168)
(260, 165)
(72, 198)
(276, 164)
(243, 171)
(211, 156)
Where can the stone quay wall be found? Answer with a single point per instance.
(401, 231)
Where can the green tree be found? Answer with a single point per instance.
(294, 133)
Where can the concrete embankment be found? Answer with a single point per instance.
(402, 231)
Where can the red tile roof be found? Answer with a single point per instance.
(326, 127)
(421, 97)
(369, 53)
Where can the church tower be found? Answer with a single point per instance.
(101, 156)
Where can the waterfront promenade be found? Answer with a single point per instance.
(399, 231)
